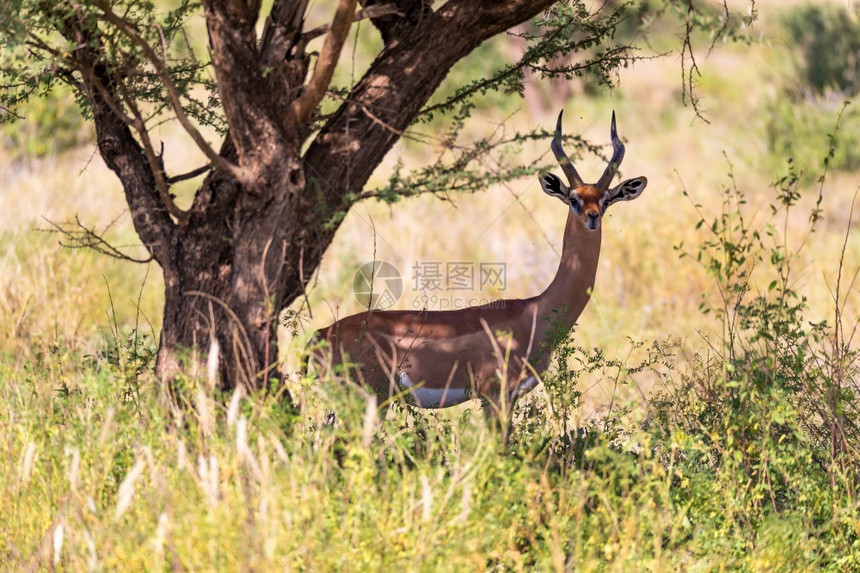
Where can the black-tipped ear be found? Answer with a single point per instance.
(552, 185)
(627, 190)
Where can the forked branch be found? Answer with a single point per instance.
(324, 70)
(173, 92)
(135, 121)
(375, 11)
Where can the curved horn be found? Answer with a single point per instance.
(573, 177)
(617, 157)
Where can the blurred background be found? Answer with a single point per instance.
(769, 109)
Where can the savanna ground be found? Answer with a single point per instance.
(702, 416)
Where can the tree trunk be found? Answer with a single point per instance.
(265, 215)
(225, 278)
(207, 294)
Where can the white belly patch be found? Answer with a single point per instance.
(445, 397)
(432, 397)
(525, 387)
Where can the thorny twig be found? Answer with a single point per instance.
(76, 235)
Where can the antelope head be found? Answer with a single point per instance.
(589, 201)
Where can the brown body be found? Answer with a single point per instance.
(474, 347)
(497, 353)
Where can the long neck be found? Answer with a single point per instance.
(568, 293)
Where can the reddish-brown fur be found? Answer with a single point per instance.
(486, 349)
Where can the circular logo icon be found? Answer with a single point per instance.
(377, 285)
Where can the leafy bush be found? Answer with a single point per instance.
(804, 130)
(799, 120)
(774, 402)
(48, 124)
(828, 39)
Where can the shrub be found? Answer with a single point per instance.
(774, 403)
(803, 130)
(827, 38)
(799, 120)
(48, 124)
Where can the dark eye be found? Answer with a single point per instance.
(575, 205)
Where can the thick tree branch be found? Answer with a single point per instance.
(409, 14)
(155, 163)
(250, 94)
(173, 95)
(324, 70)
(283, 27)
(118, 147)
(135, 122)
(398, 84)
(386, 100)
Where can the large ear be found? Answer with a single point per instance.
(627, 190)
(553, 186)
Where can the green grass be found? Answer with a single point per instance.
(718, 440)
